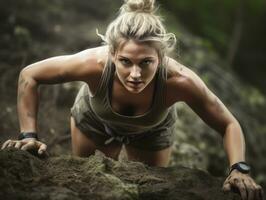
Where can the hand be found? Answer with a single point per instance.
(26, 144)
(247, 187)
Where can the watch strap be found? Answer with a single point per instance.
(237, 167)
(24, 135)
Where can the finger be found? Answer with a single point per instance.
(5, 144)
(250, 189)
(18, 144)
(261, 194)
(241, 187)
(256, 191)
(42, 148)
(226, 187)
(11, 144)
(27, 146)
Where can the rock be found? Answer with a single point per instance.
(24, 176)
(188, 155)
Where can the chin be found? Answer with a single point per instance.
(135, 90)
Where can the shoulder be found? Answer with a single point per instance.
(87, 65)
(93, 59)
(183, 84)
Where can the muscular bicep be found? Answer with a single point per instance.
(207, 105)
(61, 69)
(185, 85)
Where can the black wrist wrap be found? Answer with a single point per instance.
(24, 135)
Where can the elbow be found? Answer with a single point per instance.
(25, 72)
(232, 127)
(26, 78)
(234, 122)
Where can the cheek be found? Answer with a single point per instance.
(121, 72)
(151, 71)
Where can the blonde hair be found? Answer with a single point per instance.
(137, 21)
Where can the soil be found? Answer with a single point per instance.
(25, 176)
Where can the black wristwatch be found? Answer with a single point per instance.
(242, 167)
(24, 135)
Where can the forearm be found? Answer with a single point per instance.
(234, 143)
(27, 103)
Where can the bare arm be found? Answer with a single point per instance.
(212, 111)
(77, 67)
(84, 66)
(186, 86)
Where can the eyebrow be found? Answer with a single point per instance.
(148, 57)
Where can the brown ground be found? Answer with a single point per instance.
(24, 176)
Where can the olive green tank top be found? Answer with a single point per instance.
(157, 115)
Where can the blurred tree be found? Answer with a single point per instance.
(235, 28)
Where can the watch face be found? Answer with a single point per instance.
(244, 167)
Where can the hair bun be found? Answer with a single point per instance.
(138, 6)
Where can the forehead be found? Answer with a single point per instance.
(133, 49)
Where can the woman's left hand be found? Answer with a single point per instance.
(247, 187)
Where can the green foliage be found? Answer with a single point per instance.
(208, 18)
(212, 19)
(234, 27)
(256, 6)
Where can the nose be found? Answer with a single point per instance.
(135, 72)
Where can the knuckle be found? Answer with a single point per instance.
(248, 183)
(227, 183)
(241, 187)
(28, 139)
(25, 148)
(251, 189)
(18, 145)
(259, 187)
(31, 142)
(235, 180)
(10, 144)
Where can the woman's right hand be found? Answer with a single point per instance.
(26, 144)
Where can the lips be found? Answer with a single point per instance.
(134, 83)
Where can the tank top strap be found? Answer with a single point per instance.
(160, 90)
(105, 79)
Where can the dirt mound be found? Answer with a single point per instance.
(24, 176)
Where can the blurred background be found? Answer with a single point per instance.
(222, 41)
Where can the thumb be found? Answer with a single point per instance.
(42, 147)
(226, 187)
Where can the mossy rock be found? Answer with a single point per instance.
(101, 178)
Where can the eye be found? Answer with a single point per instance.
(146, 62)
(125, 61)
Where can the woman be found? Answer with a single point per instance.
(128, 96)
